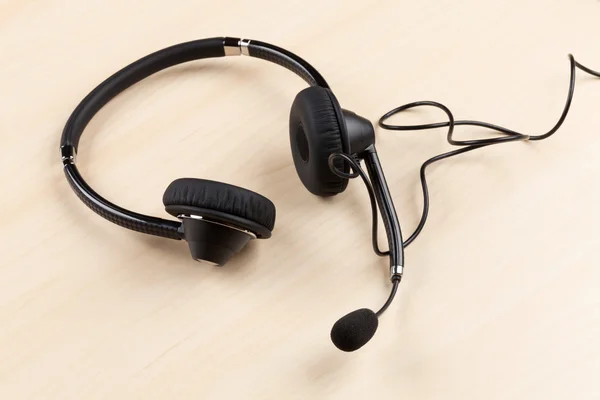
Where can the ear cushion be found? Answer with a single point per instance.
(316, 131)
(221, 198)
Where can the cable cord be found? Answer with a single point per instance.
(357, 171)
(470, 145)
(466, 146)
(395, 284)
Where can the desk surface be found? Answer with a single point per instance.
(500, 298)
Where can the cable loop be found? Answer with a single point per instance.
(355, 166)
(509, 135)
(359, 171)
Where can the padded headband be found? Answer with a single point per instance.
(132, 74)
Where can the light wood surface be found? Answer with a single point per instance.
(500, 298)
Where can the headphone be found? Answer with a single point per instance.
(328, 143)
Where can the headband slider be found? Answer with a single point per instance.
(236, 47)
(68, 154)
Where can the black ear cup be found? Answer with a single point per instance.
(317, 130)
(221, 202)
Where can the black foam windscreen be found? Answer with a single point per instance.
(354, 330)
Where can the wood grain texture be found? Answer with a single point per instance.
(500, 298)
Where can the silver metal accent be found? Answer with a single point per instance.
(199, 217)
(396, 270)
(244, 43)
(233, 50)
(69, 158)
(212, 264)
(237, 50)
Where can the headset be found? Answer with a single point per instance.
(328, 144)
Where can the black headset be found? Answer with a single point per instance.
(328, 144)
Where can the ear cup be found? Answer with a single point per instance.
(316, 131)
(221, 202)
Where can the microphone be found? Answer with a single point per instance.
(354, 330)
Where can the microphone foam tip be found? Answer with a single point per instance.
(354, 330)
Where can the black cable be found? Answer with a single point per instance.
(358, 171)
(395, 283)
(470, 145)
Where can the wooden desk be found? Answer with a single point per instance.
(500, 298)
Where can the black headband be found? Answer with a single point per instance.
(132, 74)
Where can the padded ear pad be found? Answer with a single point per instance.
(317, 130)
(221, 202)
